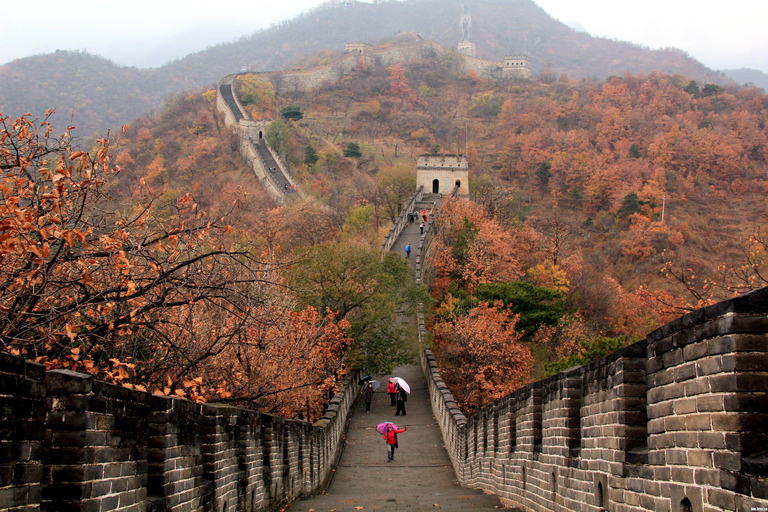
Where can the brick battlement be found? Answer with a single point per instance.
(674, 423)
(70, 442)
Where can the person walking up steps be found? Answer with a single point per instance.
(408, 251)
(390, 436)
(401, 399)
(368, 396)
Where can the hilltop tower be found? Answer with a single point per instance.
(465, 24)
(440, 174)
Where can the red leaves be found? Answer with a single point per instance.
(480, 355)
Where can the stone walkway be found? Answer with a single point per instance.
(421, 476)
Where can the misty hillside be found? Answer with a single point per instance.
(95, 94)
(749, 76)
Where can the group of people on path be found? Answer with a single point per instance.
(397, 398)
(412, 216)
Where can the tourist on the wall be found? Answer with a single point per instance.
(392, 393)
(390, 436)
(401, 399)
(368, 396)
(408, 251)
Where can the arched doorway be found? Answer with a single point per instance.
(261, 134)
(435, 186)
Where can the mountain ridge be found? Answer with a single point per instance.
(96, 94)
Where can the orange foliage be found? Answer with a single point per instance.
(480, 356)
(472, 248)
(164, 306)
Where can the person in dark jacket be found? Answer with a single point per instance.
(390, 436)
(368, 396)
(401, 399)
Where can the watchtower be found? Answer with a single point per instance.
(362, 50)
(440, 174)
(517, 66)
(466, 47)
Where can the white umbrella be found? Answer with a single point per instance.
(402, 383)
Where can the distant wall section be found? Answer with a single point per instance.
(359, 55)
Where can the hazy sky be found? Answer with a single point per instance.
(721, 34)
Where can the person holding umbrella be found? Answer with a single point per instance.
(401, 399)
(390, 436)
(368, 395)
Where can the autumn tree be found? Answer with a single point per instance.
(394, 185)
(257, 95)
(398, 84)
(364, 288)
(480, 355)
(164, 304)
(277, 135)
(471, 249)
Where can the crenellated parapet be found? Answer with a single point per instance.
(675, 422)
(71, 442)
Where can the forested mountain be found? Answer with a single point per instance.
(601, 209)
(95, 94)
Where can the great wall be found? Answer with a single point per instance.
(674, 423)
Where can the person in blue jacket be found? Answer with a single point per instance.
(408, 251)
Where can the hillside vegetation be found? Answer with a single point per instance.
(601, 209)
(94, 94)
(632, 199)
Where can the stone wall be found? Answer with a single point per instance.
(305, 80)
(249, 131)
(252, 156)
(72, 443)
(674, 423)
(224, 92)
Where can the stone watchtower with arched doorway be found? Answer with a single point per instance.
(254, 130)
(440, 174)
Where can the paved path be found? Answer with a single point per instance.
(411, 233)
(421, 476)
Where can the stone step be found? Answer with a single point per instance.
(449, 501)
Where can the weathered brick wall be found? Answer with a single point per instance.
(70, 442)
(251, 155)
(673, 423)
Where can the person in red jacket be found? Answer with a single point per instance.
(392, 393)
(391, 438)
